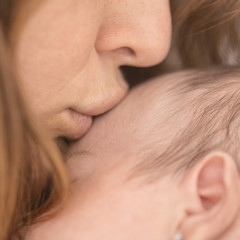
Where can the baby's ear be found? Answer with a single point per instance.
(211, 191)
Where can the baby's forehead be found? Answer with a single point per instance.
(149, 96)
(152, 101)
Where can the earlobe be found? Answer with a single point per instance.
(212, 193)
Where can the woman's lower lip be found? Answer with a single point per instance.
(80, 124)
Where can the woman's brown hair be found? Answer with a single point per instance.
(32, 174)
(33, 178)
(205, 33)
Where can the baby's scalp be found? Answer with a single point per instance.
(207, 119)
(166, 125)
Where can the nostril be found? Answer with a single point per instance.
(125, 51)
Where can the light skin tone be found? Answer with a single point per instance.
(104, 203)
(68, 55)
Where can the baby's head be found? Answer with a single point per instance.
(165, 160)
(169, 123)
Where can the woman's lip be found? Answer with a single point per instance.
(79, 125)
(78, 113)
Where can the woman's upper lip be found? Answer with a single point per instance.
(83, 114)
(88, 112)
(100, 105)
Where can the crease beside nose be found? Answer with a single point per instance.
(139, 42)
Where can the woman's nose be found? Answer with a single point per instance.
(135, 32)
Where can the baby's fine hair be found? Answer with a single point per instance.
(212, 108)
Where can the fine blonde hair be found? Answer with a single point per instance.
(210, 121)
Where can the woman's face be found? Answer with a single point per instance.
(68, 55)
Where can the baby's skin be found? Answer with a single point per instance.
(119, 191)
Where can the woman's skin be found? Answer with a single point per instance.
(68, 55)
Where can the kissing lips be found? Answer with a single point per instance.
(79, 124)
